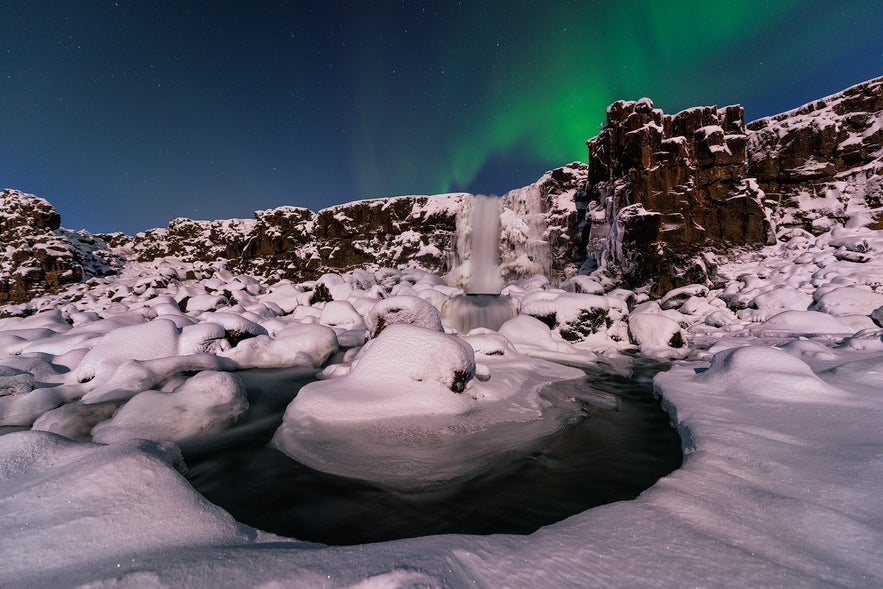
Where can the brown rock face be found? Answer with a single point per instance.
(291, 242)
(397, 232)
(661, 188)
(41, 257)
(821, 163)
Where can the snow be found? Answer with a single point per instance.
(410, 309)
(207, 402)
(656, 335)
(410, 415)
(156, 339)
(299, 344)
(775, 392)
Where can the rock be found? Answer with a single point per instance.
(41, 257)
(663, 187)
(823, 159)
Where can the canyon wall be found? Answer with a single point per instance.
(665, 190)
(660, 193)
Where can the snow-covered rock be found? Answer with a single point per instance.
(206, 402)
(409, 415)
(407, 309)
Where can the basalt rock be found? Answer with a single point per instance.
(662, 188)
(40, 256)
(292, 242)
(822, 163)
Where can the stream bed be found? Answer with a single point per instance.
(621, 445)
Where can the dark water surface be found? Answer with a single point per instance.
(623, 446)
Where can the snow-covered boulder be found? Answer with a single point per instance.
(341, 315)
(412, 310)
(299, 344)
(409, 415)
(155, 339)
(579, 317)
(849, 300)
(207, 402)
(656, 335)
(784, 376)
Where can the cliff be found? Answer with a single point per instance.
(665, 190)
(661, 195)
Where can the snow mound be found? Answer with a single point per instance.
(785, 376)
(299, 344)
(592, 320)
(657, 335)
(207, 402)
(155, 339)
(408, 415)
(402, 309)
(132, 503)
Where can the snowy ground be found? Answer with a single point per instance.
(776, 388)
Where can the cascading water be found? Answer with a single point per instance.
(484, 277)
(482, 306)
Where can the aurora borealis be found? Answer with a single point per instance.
(128, 114)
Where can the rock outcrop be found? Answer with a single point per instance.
(39, 256)
(662, 188)
(541, 232)
(822, 164)
(665, 190)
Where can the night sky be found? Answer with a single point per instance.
(126, 115)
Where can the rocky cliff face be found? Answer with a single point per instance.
(660, 192)
(38, 255)
(665, 189)
(540, 224)
(821, 164)
(541, 232)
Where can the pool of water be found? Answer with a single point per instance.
(623, 444)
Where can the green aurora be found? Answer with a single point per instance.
(534, 84)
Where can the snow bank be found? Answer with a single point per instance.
(207, 402)
(77, 511)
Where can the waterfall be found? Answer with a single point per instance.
(501, 239)
(484, 277)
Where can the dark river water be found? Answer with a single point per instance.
(623, 445)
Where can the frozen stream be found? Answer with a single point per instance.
(616, 443)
